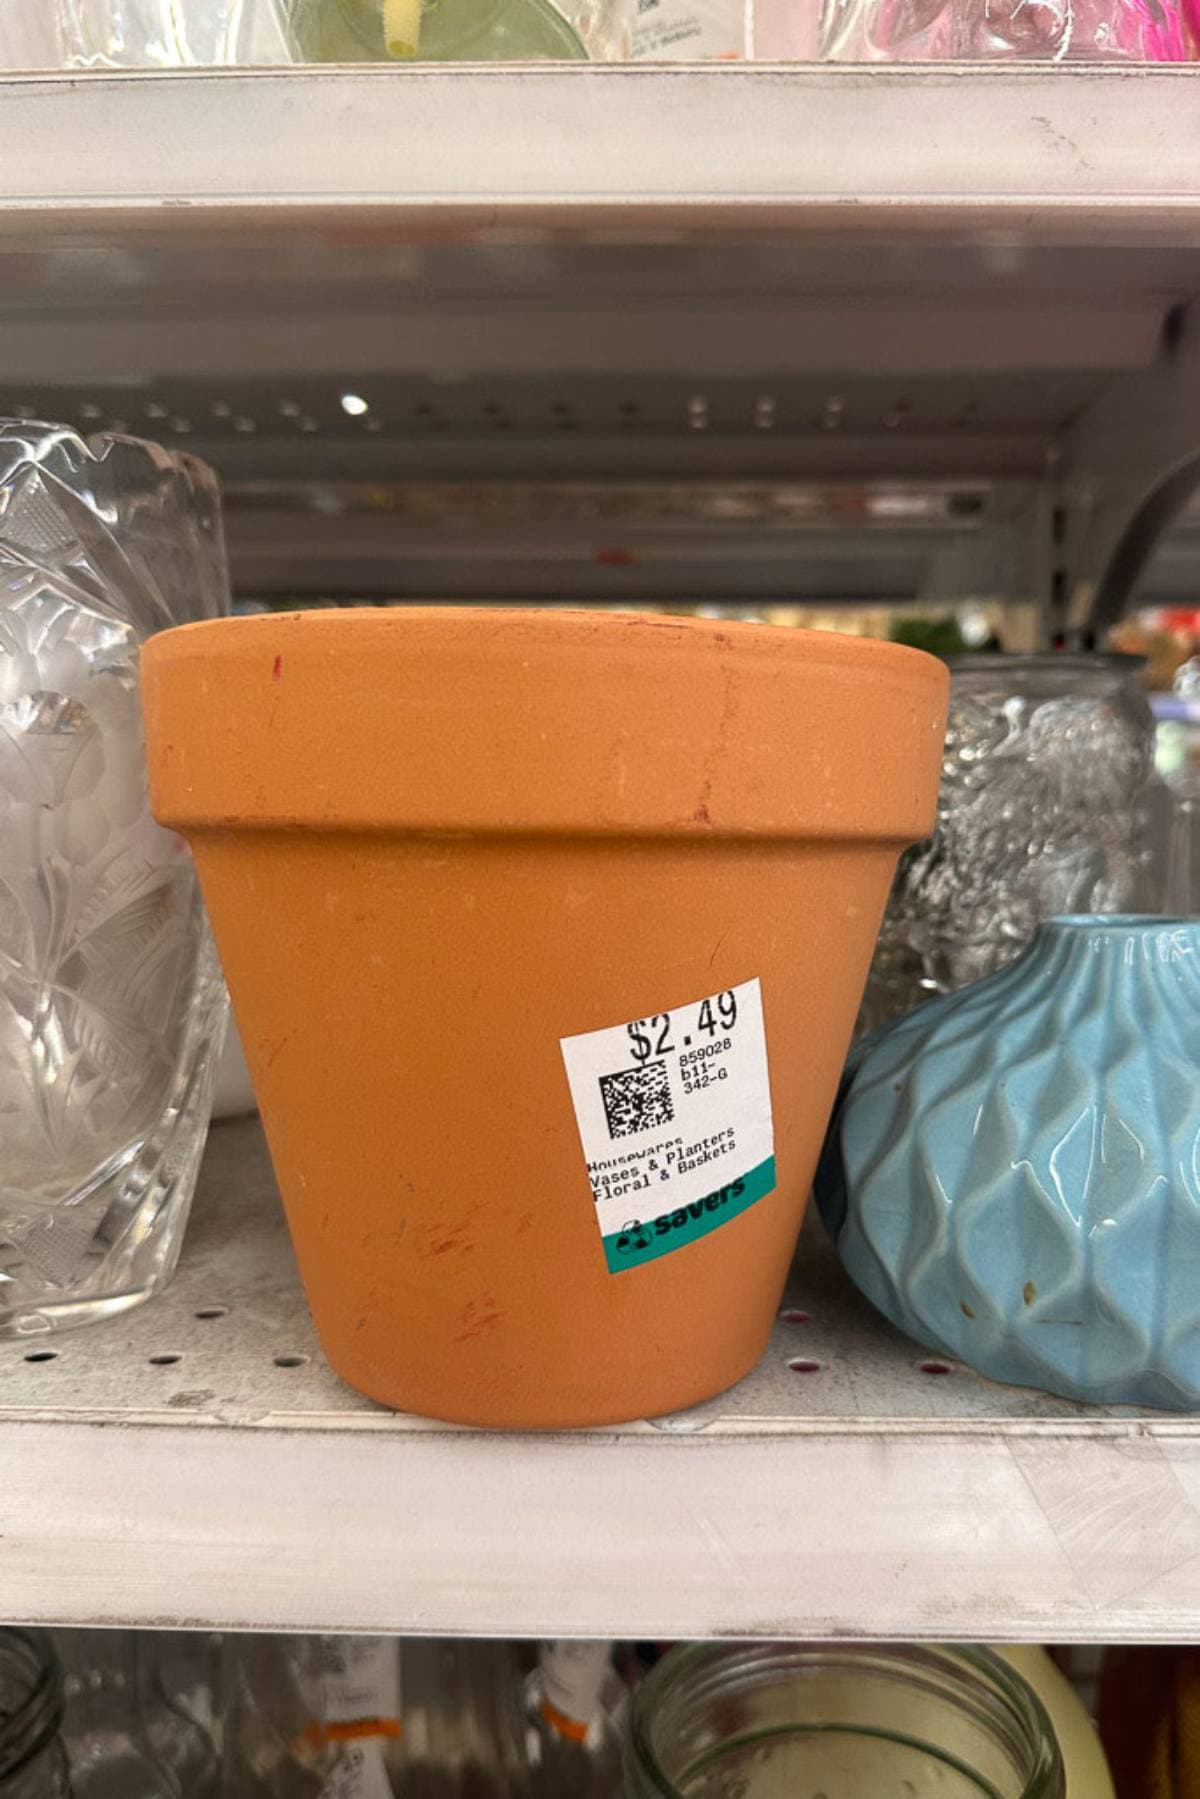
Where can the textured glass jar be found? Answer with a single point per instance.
(1042, 810)
(111, 1004)
(462, 30)
(1176, 813)
(843, 1721)
(32, 1762)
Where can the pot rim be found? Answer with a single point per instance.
(1118, 921)
(550, 622)
(431, 720)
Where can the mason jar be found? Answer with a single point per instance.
(1043, 810)
(33, 1764)
(780, 1720)
(112, 1006)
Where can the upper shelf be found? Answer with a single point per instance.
(854, 146)
(626, 272)
(197, 1463)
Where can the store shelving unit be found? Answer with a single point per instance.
(933, 331)
(199, 1463)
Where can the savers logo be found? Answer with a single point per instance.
(637, 1237)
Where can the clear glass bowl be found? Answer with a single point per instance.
(32, 1761)
(462, 30)
(111, 1003)
(839, 1721)
(1043, 810)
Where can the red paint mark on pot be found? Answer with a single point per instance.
(277, 668)
(615, 558)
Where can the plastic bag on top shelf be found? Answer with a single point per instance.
(142, 34)
(1008, 30)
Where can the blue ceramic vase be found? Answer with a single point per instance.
(1012, 1174)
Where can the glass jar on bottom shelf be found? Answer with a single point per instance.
(786, 1721)
(126, 1734)
(32, 1761)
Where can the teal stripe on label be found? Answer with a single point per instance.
(637, 1243)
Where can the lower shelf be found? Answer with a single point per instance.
(197, 1463)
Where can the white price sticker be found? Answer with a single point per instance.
(361, 1679)
(360, 1695)
(674, 1115)
(573, 1676)
(690, 31)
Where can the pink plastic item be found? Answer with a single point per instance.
(788, 30)
(1027, 30)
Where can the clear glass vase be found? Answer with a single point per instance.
(147, 34)
(126, 1735)
(1043, 810)
(269, 1704)
(33, 1764)
(464, 1732)
(461, 30)
(112, 1007)
(774, 1720)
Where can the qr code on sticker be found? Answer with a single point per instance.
(636, 1099)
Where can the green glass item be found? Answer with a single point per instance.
(449, 31)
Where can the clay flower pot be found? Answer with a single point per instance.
(545, 933)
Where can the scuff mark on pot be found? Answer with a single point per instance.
(474, 1322)
(278, 1050)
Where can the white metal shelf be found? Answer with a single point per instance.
(198, 1463)
(1027, 142)
(988, 270)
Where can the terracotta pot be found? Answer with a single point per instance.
(440, 847)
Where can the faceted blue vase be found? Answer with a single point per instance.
(1012, 1174)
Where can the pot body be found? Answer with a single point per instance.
(536, 929)
(1010, 1173)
